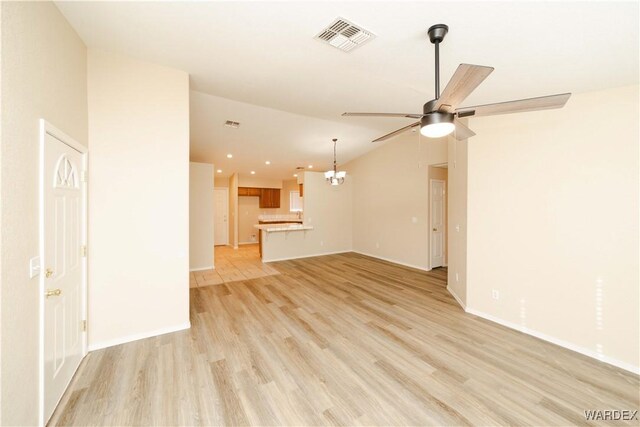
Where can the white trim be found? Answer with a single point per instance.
(228, 216)
(47, 129)
(457, 298)
(587, 352)
(392, 260)
(140, 336)
(248, 243)
(306, 256)
(211, 267)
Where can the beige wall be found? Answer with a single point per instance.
(221, 182)
(257, 182)
(200, 216)
(553, 223)
(457, 220)
(248, 211)
(233, 210)
(43, 76)
(329, 210)
(391, 199)
(139, 203)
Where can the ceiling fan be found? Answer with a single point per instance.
(440, 115)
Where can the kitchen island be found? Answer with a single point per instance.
(267, 229)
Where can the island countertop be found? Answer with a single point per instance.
(271, 228)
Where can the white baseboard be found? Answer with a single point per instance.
(392, 260)
(140, 336)
(457, 298)
(305, 256)
(248, 243)
(587, 352)
(210, 267)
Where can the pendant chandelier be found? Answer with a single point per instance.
(334, 177)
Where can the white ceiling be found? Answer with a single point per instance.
(265, 54)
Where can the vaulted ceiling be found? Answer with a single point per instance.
(258, 63)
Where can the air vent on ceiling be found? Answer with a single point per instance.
(232, 124)
(344, 35)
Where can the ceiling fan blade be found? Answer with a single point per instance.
(464, 81)
(396, 132)
(410, 115)
(462, 132)
(519, 106)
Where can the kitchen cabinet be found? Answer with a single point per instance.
(269, 198)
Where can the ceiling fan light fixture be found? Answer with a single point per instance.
(437, 125)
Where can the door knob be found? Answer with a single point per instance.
(435, 229)
(53, 293)
(48, 272)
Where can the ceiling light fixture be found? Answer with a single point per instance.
(334, 177)
(229, 156)
(267, 162)
(253, 172)
(295, 175)
(310, 166)
(219, 171)
(437, 125)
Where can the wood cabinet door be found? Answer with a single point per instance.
(243, 191)
(275, 200)
(254, 192)
(265, 197)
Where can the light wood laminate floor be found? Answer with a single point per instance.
(340, 340)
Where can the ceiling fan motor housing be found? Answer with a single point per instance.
(436, 117)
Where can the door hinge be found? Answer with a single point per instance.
(83, 251)
(83, 176)
(84, 326)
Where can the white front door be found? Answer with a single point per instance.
(437, 223)
(221, 213)
(62, 268)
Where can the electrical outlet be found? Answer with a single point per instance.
(414, 219)
(321, 242)
(377, 245)
(457, 277)
(495, 294)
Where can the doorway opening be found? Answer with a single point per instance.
(438, 209)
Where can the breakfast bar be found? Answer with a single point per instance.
(268, 229)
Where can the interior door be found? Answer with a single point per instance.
(437, 223)
(63, 268)
(221, 214)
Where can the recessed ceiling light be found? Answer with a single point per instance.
(267, 162)
(229, 156)
(253, 172)
(310, 166)
(219, 171)
(295, 174)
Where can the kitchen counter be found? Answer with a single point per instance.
(271, 228)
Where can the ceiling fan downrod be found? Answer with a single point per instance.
(436, 35)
